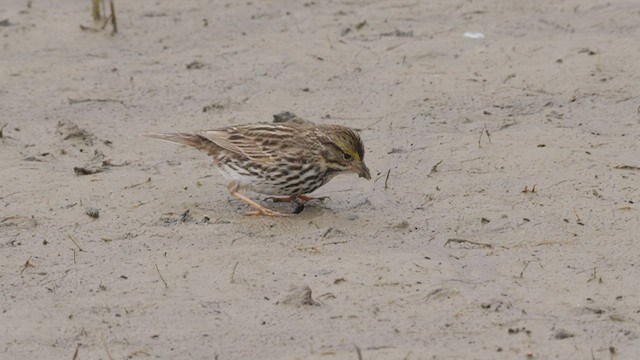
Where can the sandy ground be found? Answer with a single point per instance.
(522, 243)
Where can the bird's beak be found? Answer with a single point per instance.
(362, 170)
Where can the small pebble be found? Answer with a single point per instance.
(93, 212)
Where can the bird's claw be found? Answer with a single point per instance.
(267, 212)
(309, 198)
(300, 199)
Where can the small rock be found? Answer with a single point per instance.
(562, 334)
(194, 65)
(186, 216)
(300, 296)
(92, 212)
(87, 170)
(288, 116)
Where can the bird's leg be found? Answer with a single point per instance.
(260, 210)
(300, 199)
(305, 198)
(281, 198)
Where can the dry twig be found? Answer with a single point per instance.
(358, 352)
(161, 278)
(75, 354)
(95, 11)
(233, 273)
(434, 168)
(619, 167)
(80, 101)
(484, 131)
(106, 348)
(461, 241)
(387, 179)
(525, 268)
(26, 265)
(113, 18)
(74, 241)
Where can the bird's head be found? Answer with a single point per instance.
(343, 151)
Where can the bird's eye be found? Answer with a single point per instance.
(347, 156)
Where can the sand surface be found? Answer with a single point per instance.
(501, 222)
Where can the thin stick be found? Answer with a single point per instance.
(576, 214)
(434, 168)
(74, 241)
(484, 130)
(106, 22)
(136, 185)
(333, 243)
(26, 265)
(75, 354)
(358, 352)
(106, 348)
(95, 12)
(113, 18)
(2, 128)
(460, 241)
(525, 268)
(387, 178)
(594, 274)
(161, 278)
(80, 101)
(233, 273)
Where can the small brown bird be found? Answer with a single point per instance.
(285, 160)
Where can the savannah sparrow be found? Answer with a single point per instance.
(285, 160)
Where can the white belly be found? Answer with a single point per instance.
(247, 181)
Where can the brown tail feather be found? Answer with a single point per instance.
(197, 141)
(180, 138)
